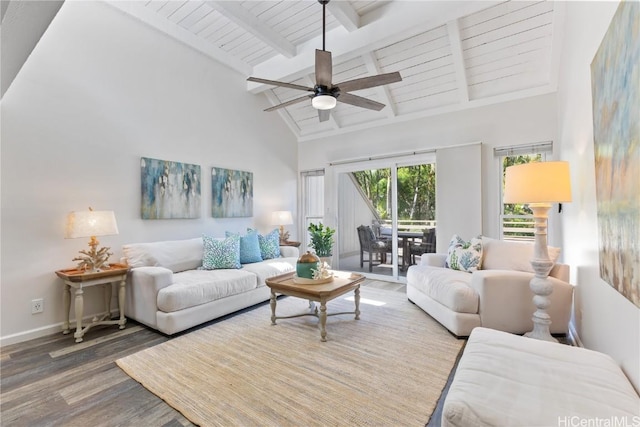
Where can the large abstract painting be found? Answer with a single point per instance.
(169, 189)
(231, 193)
(615, 80)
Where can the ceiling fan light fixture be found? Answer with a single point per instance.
(323, 102)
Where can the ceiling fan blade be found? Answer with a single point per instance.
(323, 115)
(371, 81)
(359, 101)
(286, 104)
(323, 68)
(277, 83)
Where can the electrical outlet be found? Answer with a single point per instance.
(37, 306)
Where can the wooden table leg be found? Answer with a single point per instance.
(66, 306)
(323, 320)
(107, 302)
(79, 313)
(272, 303)
(121, 295)
(357, 300)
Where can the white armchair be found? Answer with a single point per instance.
(496, 297)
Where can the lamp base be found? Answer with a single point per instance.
(540, 285)
(93, 260)
(284, 235)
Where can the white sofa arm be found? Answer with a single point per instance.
(289, 252)
(143, 286)
(433, 260)
(506, 301)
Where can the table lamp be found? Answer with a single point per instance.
(91, 224)
(282, 218)
(539, 184)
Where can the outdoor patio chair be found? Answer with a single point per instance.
(426, 246)
(375, 248)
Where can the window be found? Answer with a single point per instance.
(516, 220)
(312, 201)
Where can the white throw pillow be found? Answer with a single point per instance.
(464, 256)
(505, 255)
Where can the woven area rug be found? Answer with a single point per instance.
(386, 369)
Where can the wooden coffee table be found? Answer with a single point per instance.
(342, 283)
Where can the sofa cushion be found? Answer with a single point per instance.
(448, 287)
(464, 256)
(506, 255)
(176, 255)
(219, 253)
(270, 267)
(195, 287)
(249, 247)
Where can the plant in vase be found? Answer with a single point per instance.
(321, 239)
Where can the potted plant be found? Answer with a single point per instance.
(321, 239)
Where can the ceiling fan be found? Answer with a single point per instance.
(325, 94)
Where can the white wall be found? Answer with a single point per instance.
(605, 320)
(458, 195)
(98, 92)
(517, 122)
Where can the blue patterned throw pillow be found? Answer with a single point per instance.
(269, 244)
(464, 256)
(249, 247)
(221, 253)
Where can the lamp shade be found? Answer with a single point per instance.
(281, 218)
(90, 223)
(538, 182)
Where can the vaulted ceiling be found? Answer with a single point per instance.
(452, 55)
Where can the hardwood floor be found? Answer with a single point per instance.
(52, 381)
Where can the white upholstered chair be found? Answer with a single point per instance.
(497, 296)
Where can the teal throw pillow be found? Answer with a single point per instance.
(464, 256)
(269, 244)
(249, 247)
(221, 253)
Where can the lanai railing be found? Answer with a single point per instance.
(410, 224)
(518, 227)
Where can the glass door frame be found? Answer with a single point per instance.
(332, 173)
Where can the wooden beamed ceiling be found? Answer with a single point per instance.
(451, 55)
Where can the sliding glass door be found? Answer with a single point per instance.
(383, 210)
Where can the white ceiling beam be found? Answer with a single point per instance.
(559, 11)
(345, 14)
(383, 91)
(238, 14)
(23, 24)
(138, 10)
(402, 19)
(498, 99)
(453, 28)
(284, 114)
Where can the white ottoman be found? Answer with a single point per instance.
(509, 380)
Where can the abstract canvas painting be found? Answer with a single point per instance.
(169, 189)
(231, 193)
(615, 81)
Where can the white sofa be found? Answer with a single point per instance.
(509, 380)
(167, 292)
(497, 296)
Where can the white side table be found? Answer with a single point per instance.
(78, 280)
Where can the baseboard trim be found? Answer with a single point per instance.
(43, 331)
